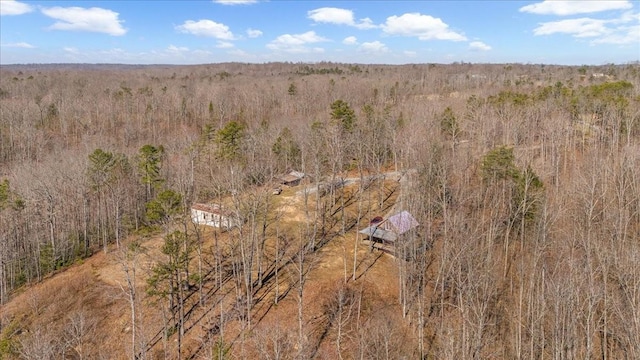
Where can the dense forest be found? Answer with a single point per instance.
(524, 178)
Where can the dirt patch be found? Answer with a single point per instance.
(112, 266)
(292, 213)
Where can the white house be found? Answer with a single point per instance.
(213, 215)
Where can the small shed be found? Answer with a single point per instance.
(293, 178)
(213, 215)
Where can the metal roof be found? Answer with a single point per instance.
(292, 176)
(389, 229)
(401, 222)
(211, 209)
(379, 233)
(289, 178)
(297, 174)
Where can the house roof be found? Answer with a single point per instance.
(297, 174)
(210, 208)
(389, 229)
(289, 178)
(402, 222)
(292, 176)
(380, 233)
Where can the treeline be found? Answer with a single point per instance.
(526, 183)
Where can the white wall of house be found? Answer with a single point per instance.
(213, 219)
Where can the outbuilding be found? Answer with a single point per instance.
(293, 178)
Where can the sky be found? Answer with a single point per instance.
(365, 32)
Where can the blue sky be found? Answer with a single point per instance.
(382, 32)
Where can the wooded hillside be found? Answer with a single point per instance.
(525, 180)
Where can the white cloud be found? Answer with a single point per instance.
(623, 34)
(23, 45)
(71, 50)
(424, 27)
(479, 45)
(11, 7)
(296, 43)
(582, 27)
(409, 53)
(235, 2)
(572, 7)
(339, 16)
(365, 23)
(177, 49)
(206, 28)
(374, 47)
(331, 16)
(81, 19)
(252, 33)
(350, 40)
(611, 31)
(224, 45)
